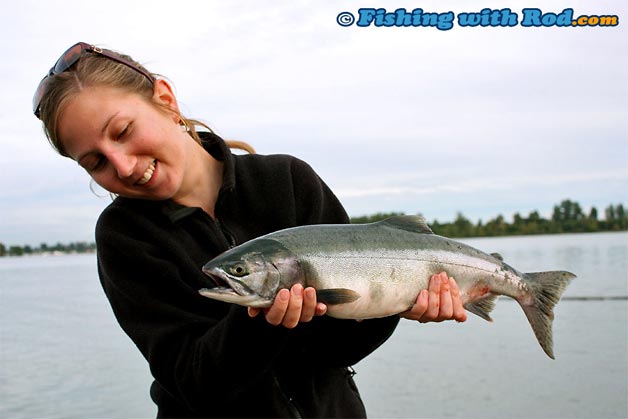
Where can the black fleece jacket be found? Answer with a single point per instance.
(208, 358)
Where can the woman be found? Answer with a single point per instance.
(183, 198)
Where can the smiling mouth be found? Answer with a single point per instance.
(148, 174)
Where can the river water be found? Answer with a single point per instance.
(62, 354)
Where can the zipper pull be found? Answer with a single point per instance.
(228, 236)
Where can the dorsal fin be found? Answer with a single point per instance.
(497, 256)
(413, 223)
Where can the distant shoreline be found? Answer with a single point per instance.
(93, 251)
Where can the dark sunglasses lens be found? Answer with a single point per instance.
(70, 57)
(39, 93)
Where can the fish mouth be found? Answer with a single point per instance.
(231, 290)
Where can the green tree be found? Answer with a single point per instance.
(622, 218)
(496, 226)
(568, 217)
(593, 214)
(591, 223)
(616, 217)
(16, 251)
(462, 226)
(479, 229)
(535, 224)
(609, 214)
(518, 225)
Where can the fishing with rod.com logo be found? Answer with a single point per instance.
(529, 18)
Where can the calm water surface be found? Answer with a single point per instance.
(63, 355)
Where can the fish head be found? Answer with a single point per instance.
(251, 274)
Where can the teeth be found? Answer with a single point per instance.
(148, 174)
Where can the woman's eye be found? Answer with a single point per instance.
(122, 133)
(125, 131)
(100, 161)
(93, 164)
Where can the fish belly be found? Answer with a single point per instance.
(385, 287)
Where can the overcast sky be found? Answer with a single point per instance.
(484, 121)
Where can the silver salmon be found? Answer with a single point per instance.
(374, 270)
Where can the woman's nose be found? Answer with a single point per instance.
(123, 163)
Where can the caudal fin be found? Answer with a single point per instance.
(546, 290)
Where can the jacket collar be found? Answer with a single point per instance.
(219, 150)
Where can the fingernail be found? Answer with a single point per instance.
(284, 295)
(309, 293)
(297, 290)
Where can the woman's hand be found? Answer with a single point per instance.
(292, 307)
(441, 301)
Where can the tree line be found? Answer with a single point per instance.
(74, 247)
(567, 217)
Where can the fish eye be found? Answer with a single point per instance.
(238, 270)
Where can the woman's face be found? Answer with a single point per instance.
(126, 144)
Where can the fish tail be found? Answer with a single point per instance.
(538, 305)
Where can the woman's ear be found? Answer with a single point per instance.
(164, 95)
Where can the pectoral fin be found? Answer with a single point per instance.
(333, 296)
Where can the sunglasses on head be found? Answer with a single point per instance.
(69, 58)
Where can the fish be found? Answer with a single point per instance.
(363, 271)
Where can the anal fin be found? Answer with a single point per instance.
(483, 306)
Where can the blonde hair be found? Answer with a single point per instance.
(94, 69)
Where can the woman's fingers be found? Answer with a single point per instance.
(459, 313)
(446, 309)
(321, 309)
(431, 314)
(309, 305)
(295, 305)
(419, 308)
(277, 311)
(441, 301)
(292, 307)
